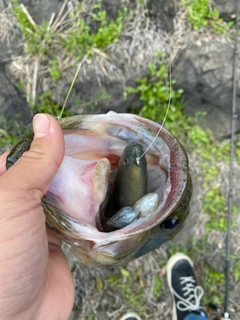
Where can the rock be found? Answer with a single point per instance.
(227, 9)
(224, 182)
(10, 36)
(11, 100)
(164, 11)
(204, 71)
(41, 10)
(112, 7)
(216, 261)
(96, 98)
(235, 316)
(234, 298)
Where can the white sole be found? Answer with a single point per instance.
(130, 314)
(171, 262)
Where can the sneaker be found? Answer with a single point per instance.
(182, 283)
(130, 316)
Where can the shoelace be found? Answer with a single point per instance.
(194, 295)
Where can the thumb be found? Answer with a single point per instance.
(36, 168)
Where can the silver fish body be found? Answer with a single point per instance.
(143, 208)
(102, 138)
(123, 217)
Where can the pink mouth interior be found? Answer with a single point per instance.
(79, 187)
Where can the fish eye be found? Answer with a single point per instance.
(125, 161)
(170, 223)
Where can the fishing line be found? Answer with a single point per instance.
(165, 117)
(226, 314)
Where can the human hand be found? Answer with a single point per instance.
(35, 280)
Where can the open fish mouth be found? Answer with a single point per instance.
(74, 202)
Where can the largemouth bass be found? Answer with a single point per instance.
(93, 147)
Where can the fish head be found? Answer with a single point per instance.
(95, 145)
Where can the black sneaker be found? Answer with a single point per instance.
(182, 283)
(130, 316)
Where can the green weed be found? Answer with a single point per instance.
(215, 207)
(12, 131)
(156, 94)
(236, 267)
(25, 25)
(212, 281)
(85, 35)
(201, 13)
(237, 151)
(46, 104)
(128, 285)
(39, 38)
(7, 140)
(158, 284)
(83, 40)
(55, 70)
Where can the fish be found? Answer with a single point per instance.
(94, 145)
(131, 179)
(144, 207)
(130, 185)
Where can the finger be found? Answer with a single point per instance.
(36, 168)
(59, 292)
(3, 158)
(53, 239)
